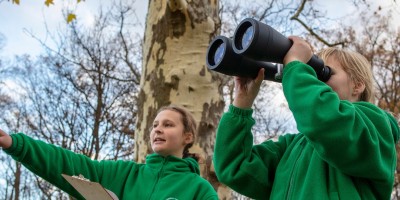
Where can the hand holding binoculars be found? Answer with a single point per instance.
(255, 45)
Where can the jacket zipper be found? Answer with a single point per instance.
(289, 191)
(159, 175)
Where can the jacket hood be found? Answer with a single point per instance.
(194, 166)
(174, 164)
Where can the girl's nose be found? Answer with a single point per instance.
(157, 129)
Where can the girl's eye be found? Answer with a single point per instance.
(168, 125)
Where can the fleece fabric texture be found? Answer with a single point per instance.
(160, 178)
(344, 150)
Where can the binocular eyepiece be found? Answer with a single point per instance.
(255, 45)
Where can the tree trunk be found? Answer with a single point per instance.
(17, 182)
(174, 71)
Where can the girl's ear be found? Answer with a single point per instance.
(188, 138)
(358, 89)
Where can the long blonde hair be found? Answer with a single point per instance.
(356, 66)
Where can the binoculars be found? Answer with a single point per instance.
(255, 45)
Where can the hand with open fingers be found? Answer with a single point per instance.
(300, 51)
(5, 140)
(246, 90)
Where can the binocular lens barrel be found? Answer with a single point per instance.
(221, 58)
(259, 41)
(255, 45)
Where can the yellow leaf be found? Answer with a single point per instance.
(16, 1)
(71, 17)
(48, 2)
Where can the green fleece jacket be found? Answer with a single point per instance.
(344, 150)
(160, 178)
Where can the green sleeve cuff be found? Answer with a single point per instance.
(17, 144)
(240, 111)
(297, 63)
(291, 64)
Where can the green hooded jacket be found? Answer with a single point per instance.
(344, 150)
(160, 178)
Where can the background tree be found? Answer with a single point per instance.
(81, 95)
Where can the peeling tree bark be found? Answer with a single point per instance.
(174, 71)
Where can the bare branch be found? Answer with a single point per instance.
(309, 29)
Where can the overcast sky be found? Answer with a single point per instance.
(31, 15)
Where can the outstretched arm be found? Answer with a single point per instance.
(5, 140)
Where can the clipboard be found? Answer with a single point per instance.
(89, 190)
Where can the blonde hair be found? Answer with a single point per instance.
(356, 66)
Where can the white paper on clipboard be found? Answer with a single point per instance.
(90, 190)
